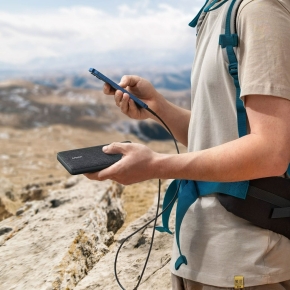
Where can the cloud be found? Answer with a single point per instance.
(80, 30)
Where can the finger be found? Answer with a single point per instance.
(99, 176)
(118, 98)
(108, 90)
(92, 176)
(124, 104)
(115, 148)
(133, 109)
(128, 80)
(108, 173)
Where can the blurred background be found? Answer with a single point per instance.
(49, 102)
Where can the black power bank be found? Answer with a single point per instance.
(87, 160)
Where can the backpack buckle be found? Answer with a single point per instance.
(228, 40)
(233, 69)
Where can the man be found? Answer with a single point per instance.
(217, 244)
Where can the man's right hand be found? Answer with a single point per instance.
(142, 89)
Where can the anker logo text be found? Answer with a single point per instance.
(77, 157)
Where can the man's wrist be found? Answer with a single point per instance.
(163, 166)
(161, 103)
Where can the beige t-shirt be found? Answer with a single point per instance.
(219, 245)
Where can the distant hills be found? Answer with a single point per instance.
(77, 101)
(169, 79)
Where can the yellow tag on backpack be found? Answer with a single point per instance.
(239, 282)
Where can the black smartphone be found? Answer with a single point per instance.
(105, 79)
(87, 160)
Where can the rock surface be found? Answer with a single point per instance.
(54, 243)
(131, 260)
(69, 241)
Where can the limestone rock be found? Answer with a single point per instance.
(38, 189)
(5, 230)
(69, 241)
(131, 260)
(52, 247)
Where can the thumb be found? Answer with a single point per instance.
(114, 148)
(129, 81)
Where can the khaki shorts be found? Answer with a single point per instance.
(179, 283)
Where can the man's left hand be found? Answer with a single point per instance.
(137, 164)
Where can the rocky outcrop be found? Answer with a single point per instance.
(38, 189)
(11, 200)
(131, 260)
(69, 241)
(54, 243)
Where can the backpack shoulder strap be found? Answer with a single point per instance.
(229, 40)
(198, 18)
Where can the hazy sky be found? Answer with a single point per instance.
(106, 32)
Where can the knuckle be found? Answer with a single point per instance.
(113, 145)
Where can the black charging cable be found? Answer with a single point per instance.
(157, 215)
(174, 140)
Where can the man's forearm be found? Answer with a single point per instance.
(246, 158)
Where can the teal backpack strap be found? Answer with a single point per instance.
(206, 8)
(237, 189)
(229, 40)
(188, 193)
(288, 171)
(193, 22)
(191, 191)
(186, 197)
(168, 203)
(209, 7)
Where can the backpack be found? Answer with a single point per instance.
(266, 201)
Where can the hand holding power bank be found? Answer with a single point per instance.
(87, 160)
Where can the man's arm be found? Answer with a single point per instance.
(264, 152)
(176, 118)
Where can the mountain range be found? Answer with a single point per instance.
(169, 79)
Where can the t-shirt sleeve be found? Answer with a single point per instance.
(264, 47)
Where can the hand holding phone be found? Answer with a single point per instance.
(105, 79)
